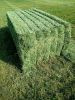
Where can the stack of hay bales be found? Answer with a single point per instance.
(38, 35)
(69, 53)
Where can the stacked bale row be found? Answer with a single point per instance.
(69, 53)
(67, 27)
(37, 35)
(68, 49)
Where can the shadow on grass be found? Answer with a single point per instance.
(8, 52)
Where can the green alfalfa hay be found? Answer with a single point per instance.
(49, 27)
(45, 23)
(28, 57)
(15, 31)
(27, 42)
(27, 20)
(60, 41)
(24, 41)
(43, 33)
(27, 50)
(67, 26)
(43, 49)
(60, 28)
(39, 51)
(38, 23)
(70, 52)
(30, 60)
(47, 51)
(31, 23)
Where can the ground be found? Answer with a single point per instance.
(53, 80)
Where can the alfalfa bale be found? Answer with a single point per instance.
(36, 35)
(67, 26)
(21, 36)
(30, 60)
(60, 28)
(70, 52)
(43, 27)
(53, 31)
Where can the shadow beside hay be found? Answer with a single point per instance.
(8, 52)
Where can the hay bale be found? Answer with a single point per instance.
(70, 52)
(67, 26)
(44, 32)
(37, 35)
(23, 37)
(59, 27)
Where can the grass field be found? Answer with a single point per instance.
(55, 79)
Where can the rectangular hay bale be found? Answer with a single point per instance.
(60, 28)
(37, 35)
(67, 26)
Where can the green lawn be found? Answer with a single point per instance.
(55, 79)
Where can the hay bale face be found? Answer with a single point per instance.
(37, 35)
(66, 29)
(70, 52)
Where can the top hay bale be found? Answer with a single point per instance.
(37, 35)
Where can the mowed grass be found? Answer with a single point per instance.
(53, 80)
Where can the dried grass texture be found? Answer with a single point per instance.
(70, 52)
(38, 35)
